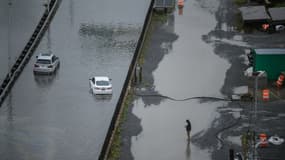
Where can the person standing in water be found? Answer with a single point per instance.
(188, 128)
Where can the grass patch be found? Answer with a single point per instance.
(240, 2)
(117, 140)
(160, 17)
(280, 4)
(116, 143)
(156, 18)
(239, 22)
(146, 44)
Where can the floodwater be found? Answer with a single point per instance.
(56, 116)
(201, 53)
(18, 21)
(189, 68)
(164, 136)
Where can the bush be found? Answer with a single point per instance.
(240, 2)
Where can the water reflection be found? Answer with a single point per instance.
(103, 97)
(44, 80)
(188, 150)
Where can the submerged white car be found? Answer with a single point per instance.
(100, 85)
(46, 63)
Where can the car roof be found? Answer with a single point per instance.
(46, 56)
(102, 78)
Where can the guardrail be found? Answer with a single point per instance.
(110, 133)
(28, 50)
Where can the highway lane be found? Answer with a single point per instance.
(3, 38)
(18, 20)
(56, 117)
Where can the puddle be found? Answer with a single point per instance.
(163, 129)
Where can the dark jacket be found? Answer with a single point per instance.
(188, 126)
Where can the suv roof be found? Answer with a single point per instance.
(46, 56)
(101, 78)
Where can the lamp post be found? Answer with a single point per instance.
(258, 74)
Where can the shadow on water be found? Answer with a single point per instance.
(188, 150)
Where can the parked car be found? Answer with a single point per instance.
(46, 63)
(100, 85)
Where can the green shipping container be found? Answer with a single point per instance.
(270, 60)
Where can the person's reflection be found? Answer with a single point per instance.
(188, 151)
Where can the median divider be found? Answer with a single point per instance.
(28, 50)
(114, 122)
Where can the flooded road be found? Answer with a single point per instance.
(200, 72)
(56, 117)
(197, 51)
(187, 67)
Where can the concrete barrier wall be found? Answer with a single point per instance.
(110, 133)
(28, 50)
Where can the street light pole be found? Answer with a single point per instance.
(258, 74)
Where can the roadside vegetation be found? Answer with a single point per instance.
(240, 2)
(280, 4)
(115, 150)
(116, 143)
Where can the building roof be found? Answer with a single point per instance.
(254, 13)
(277, 14)
(271, 51)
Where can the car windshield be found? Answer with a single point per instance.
(43, 61)
(102, 83)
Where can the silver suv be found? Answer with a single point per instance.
(46, 63)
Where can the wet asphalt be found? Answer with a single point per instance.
(55, 116)
(18, 20)
(198, 52)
